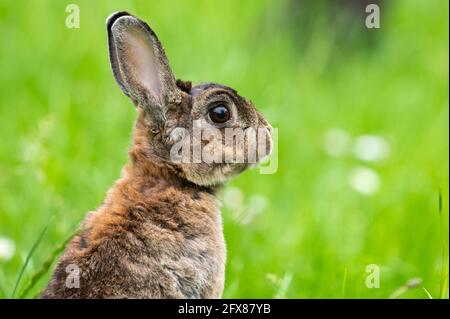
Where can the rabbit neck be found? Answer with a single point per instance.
(149, 164)
(147, 188)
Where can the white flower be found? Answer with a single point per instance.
(243, 210)
(336, 142)
(7, 249)
(371, 148)
(256, 205)
(364, 180)
(233, 198)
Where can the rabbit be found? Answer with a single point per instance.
(158, 233)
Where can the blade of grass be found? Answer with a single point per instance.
(428, 294)
(410, 284)
(344, 283)
(444, 283)
(27, 260)
(2, 292)
(45, 266)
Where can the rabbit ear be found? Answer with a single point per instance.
(139, 63)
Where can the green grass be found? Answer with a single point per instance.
(65, 129)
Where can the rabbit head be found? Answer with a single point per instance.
(207, 133)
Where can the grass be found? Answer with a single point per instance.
(27, 260)
(65, 129)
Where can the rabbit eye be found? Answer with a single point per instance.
(219, 114)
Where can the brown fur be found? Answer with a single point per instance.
(155, 236)
(158, 233)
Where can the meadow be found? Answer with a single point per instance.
(362, 119)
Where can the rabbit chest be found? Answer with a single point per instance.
(176, 247)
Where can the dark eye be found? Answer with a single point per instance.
(219, 114)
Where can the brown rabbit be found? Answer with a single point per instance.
(158, 233)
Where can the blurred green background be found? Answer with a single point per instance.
(362, 118)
